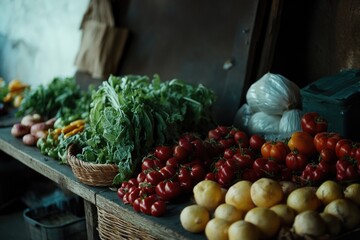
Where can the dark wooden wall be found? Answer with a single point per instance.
(192, 40)
(317, 38)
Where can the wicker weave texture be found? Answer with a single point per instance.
(111, 227)
(91, 173)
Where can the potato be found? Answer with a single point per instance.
(19, 130)
(309, 223)
(41, 126)
(266, 192)
(333, 223)
(346, 210)
(29, 139)
(50, 122)
(208, 194)
(194, 218)
(30, 120)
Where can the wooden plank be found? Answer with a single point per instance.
(167, 226)
(272, 31)
(91, 220)
(48, 167)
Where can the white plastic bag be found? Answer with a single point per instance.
(263, 123)
(290, 121)
(273, 94)
(242, 117)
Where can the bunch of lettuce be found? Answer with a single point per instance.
(131, 114)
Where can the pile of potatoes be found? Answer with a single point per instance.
(268, 209)
(31, 128)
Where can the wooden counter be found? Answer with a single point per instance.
(165, 227)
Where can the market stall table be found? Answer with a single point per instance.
(95, 198)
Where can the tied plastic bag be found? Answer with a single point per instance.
(242, 117)
(290, 121)
(273, 94)
(263, 123)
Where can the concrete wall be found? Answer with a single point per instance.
(39, 39)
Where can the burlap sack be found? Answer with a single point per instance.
(102, 43)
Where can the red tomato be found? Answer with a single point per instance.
(163, 153)
(256, 141)
(199, 148)
(121, 192)
(241, 138)
(226, 143)
(328, 155)
(243, 160)
(154, 177)
(313, 123)
(158, 208)
(180, 153)
(133, 195)
(147, 188)
(347, 148)
(326, 140)
(173, 162)
(186, 144)
(146, 203)
(168, 171)
(225, 175)
(184, 175)
(149, 163)
(266, 167)
(229, 152)
(345, 170)
(168, 190)
(125, 198)
(313, 174)
(250, 174)
(303, 142)
(136, 204)
(213, 134)
(275, 150)
(210, 176)
(329, 168)
(133, 182)
(223, 130)
(296, 161)
(141, 177)
(197, 173)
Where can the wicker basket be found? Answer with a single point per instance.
(91, 173)
(111, 227)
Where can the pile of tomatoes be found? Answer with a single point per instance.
(167, 173)
(227, 155)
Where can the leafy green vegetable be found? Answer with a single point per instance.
(62, 97)
(131, 114)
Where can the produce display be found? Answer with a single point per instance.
(11, 94)
(265, 188)
(62, 99)
(131, 114)
(237, 183)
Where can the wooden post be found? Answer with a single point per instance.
(91, 220)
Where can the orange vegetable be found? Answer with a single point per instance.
(303, 142)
